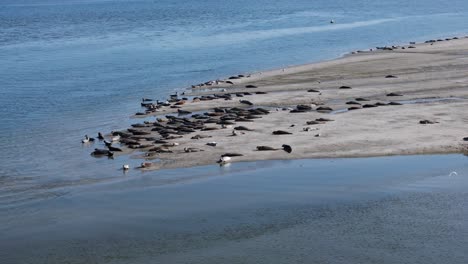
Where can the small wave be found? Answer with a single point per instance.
(276, 33)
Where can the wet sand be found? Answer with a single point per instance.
(430, 81)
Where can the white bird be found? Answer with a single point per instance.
(453, 173)
(116, 138)
(146, 164)
(224, 160)
(125, 167)
(87, 139)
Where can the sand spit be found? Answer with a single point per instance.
(390, 101)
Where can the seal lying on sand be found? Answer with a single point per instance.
(242, 128)
(281, 132)
(265, 148)
(246, 102)
(287, 148)
(111, 148)
(231, 155)
(427, 122)
(192, 150)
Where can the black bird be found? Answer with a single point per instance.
(100, 136)
(107, 143)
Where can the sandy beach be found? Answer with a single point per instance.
(426, 82)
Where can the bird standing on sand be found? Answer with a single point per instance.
(224, 160)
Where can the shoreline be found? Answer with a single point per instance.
(389, 78)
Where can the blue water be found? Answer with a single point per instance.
(364, 210)
(69, 68)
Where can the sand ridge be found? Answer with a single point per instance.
(430, 82)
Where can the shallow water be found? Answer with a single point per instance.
(364, 210)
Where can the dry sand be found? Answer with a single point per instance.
(427, 71)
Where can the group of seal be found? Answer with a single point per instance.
(285, 147)
(155, 137)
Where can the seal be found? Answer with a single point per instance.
(324, 109)
(324, 119)
(394, 94)
(187, 150)
(360, 99)
(265, 148)
(246, 102)
(242, 128)
(304, 107)
(313, 122)
(354, 108)
(183, 112)
(102, 152)
(287, 148)
(427, 122)
(199, 137)
(111, 148)
(345, 87)
(281, 132)
(380, 104)
(229, 154)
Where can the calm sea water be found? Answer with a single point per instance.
(70, 68)
(368, 210)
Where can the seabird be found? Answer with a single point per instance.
(224, 160)
(87, 139)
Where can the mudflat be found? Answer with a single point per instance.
(401, 100)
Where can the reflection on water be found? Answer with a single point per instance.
(384, 210)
